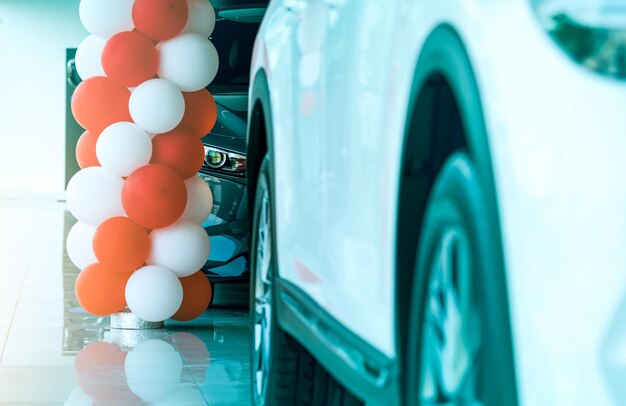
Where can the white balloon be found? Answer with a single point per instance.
(79, 245)
(89, 57)
(123, 147)
(182, 248)
(201, 18)
(157, 106)
(188, 60)
(154, 293)
(199, 200)
(105, 18)
(153, 370)
(94, 195)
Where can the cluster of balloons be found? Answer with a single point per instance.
(137, 199)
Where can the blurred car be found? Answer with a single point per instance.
(224, 169)
(439, 207)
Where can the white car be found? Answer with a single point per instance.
(440, 205)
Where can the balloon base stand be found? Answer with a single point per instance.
(127, 320)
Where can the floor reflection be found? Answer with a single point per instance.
(52, 351)
(153, 367)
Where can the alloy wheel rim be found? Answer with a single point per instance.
(262, 299)
(451, 334)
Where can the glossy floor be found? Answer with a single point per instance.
(52, 352)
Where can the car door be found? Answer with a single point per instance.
(334, 223)
(298, 206)
(357, 168)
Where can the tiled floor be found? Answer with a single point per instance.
(52, 352)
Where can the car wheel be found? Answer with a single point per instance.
(454, 345)
(281, 368)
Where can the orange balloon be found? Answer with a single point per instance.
(200, 112)
(160, 19)
(179, 150)
(121, 245)
(130, 58)
(100, 291)
(99, 102)
(86, 150)
(197, 294)
(100, 373)
(154, 196)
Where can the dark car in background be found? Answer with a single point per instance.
(224, 169)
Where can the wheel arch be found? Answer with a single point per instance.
(443, 75)
(259, 137)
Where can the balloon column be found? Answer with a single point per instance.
(138, 201)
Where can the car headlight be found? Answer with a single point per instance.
(222, 160)
(591, 32)
(215, 159)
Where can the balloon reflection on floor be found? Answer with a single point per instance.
(156, 367)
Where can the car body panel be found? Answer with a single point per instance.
(556, 137)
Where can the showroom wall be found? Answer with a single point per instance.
(34, 35)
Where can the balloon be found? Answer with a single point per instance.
(153, 370)
(182, 248)
(179, 150)
(79, 247)
(130, 58)
(154, 293)
(197, 294)
(99, 102)
(200, 112)
(157, 106)
(154, 196)
(94, 195)
(121, 245)
(189, 60)
(100, 291)
(201, 18)
(88, 55)
(123, 147)
(160, 19)
(199, 200)
(106, 17)
(86, 150)
(100, 374)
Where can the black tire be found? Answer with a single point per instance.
(457, 203)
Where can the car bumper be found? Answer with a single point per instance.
(227, 228)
